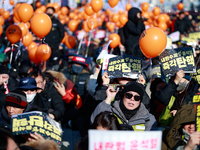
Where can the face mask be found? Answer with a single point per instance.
(50, 15)
(55, 67)
(30, 97)
(76, 69)
(181, 86)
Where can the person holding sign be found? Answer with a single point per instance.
(174, 94)
(130, 112)
(182, 135)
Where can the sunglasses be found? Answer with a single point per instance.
(32, 90)
(129, 96)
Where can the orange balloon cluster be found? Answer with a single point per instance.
(152, 42)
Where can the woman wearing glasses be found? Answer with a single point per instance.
(130, 112)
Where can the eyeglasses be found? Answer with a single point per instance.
(129, 96)
(32, 90)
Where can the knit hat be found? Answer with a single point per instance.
(134, 86)
(16, 98)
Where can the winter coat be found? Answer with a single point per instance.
(182, 26)
(57, 32)
(141, 117)
(54, 100)
(132, 29)
(172, 137)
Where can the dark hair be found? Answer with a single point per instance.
(107, 120)
(51, 8)
(5, 134)
(36, 72)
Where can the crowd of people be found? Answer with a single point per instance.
(71, 88)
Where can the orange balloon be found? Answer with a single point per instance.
(161, 18)
(145, 6)
(1, 10)
(115, 40)
(70, 42)
(86, 16)
(128, 7)
(85, 27)
(27, 39)
(61, 17)
(16, 15)
(23, 28)
(49, 5)
(2, 20)
(163, 26)
(113, 3)
(63, 40)
(96, 5)
(88, 9)
(43, 8)
(67, 19)
(25, 12)
(64, 10)
(111, 27)
(13, 33)
(161, 1)
(120, 12)
(92, 23)
(115, 18)
(123, 19)
(152, 42)
(6, 14)
(12, 2)
(180, 6)
(17, 5)
(38, 10)
(155, 24)
(31, 54)
(72, 25)
(145, 14)
(28, 25)
(76, 11)
(41, 24)
(1, 29)
(38, 4)
(56, 7)
(156, 11)
(32, 45)
(71, 15)
(43, 53)
(15, 20)
(118, 24)
(62, 21)
(169, 23)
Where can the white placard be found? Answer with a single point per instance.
(124, 140)
(175, 36)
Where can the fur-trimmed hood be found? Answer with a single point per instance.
(58, 75)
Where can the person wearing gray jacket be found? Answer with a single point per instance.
(130, 112)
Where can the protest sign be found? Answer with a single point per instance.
(80, 34)
(173, 60)
(105, 62)
(194, 35)
(196, 75)
(196, 102)
(124, 140)
(39, 122)
(99, 34)
(175, 36)
(103, 52)
(124, 66)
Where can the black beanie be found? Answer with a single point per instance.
(134, 86)
(16, 98)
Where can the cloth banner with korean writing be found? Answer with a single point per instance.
(114, 140)
(196, 75)
(124, 66)
(39, 122)
(173, 60)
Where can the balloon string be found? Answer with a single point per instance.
(88, 44)
(80, 44)
(11, 54)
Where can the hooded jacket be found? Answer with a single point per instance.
(141, 117)
(132, 29)
(172, 137)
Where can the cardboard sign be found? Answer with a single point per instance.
(175, 36)
(99, 34)
(39, 122)
(173, 60)
(124, 66)
(106, 61)
(187, 39)
(124, 140)
(194, 35)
